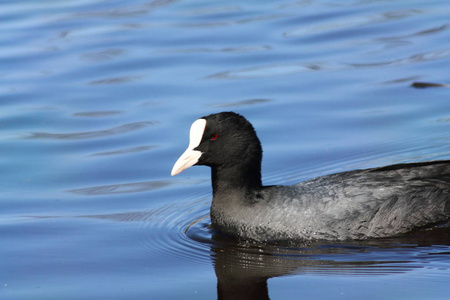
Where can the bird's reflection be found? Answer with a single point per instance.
(243, 269)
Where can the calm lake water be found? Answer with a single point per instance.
(97, 98)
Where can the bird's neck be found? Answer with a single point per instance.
(236, 179)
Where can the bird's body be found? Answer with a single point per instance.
(358, 204)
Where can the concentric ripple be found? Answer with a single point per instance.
(178, 231)
(181, 233)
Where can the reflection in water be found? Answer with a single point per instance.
(242, 270)
(182, 231)
(422, 85)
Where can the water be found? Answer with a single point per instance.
(96, 102)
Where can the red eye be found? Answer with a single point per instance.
(214, 137)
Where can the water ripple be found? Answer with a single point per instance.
(433, 30)
(91, 134)
(239, 21)
(351, 22)
(267, 71)
(124, 151)
(122, 188)
(115, 80)
(294, 68)
(230, 50)
(415, 58)
(126, 11)
(103, 113)
(211, 10)
(181, 232)
(103, 55)
(242, 103)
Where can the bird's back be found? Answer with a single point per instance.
(359, 204)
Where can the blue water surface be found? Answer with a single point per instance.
(96, 101)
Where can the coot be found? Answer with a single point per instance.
(371, 203)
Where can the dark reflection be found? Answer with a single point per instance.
(243, 270)
(422, 85)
